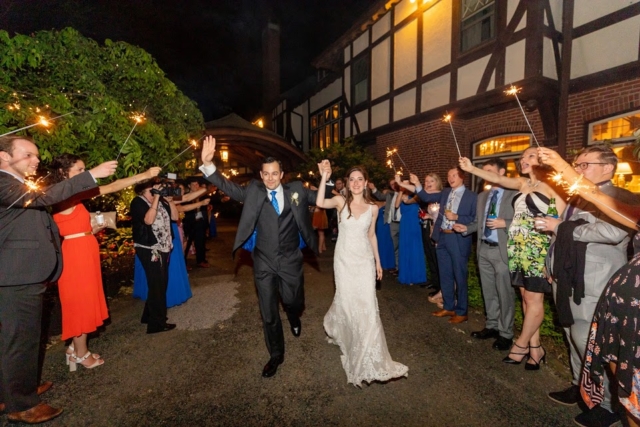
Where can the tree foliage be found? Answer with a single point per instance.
(51, 73)
(343, 157)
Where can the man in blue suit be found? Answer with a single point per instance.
(457, 206)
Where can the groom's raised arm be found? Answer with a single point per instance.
(211, 174)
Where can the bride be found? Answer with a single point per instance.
(353, 321)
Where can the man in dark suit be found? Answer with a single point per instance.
(492, 222)
(28, 234)
(457, 206)
(279, 214)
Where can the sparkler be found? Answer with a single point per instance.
(137, 118)
(447, 118)
(390, 153)
(514, 91)
(193, 144)
(31, 187)
(42, 121)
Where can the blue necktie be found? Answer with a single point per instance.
(492, 204)
(274, 201)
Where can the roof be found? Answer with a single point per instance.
(235, 121)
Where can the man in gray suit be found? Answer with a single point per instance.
(493, 218)
(391, 215)
(30, 258)
(606, 251)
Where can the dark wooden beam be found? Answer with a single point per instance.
(533, 52)
(607, 20)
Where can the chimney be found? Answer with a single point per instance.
(270, 67)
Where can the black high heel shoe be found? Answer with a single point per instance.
(511, 361)
(536, 364)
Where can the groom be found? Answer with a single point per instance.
(279, 214)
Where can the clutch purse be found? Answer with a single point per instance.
(109, 219)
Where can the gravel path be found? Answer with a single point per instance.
(207, 372)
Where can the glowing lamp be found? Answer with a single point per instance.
(224, 154)
(624, 168)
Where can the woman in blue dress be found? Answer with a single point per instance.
(412, 268)
(178, 288)
(385, 244)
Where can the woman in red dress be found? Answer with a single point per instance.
(84, 307)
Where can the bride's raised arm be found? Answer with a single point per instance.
(324, 167)
(501, 180)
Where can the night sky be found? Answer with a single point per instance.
(211, 49)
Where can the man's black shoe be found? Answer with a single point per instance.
(502, 344)
(485, 334)
(567, 397)
(165, 328)
(430, 286)
(271, 367)
(296, 327)
(597, 417)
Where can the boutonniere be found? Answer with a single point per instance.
(294, 199)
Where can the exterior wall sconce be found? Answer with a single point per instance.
(224, 154)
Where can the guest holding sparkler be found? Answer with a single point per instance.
(82, 298)
(28, 233)
(526, 249)
(612, 339)
(457, 206)
(432, 183)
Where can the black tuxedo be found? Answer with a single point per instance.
(277, 258)
(30, 256)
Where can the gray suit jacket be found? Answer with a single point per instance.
(505, 212)
(29, 239)
(389, 206)
(607, 240)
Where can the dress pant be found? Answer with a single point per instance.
(20, 320)
(197, 234)
(157, 272)
(430, 254)
(394, 227)
(278, 277)
(499, 296)
(453, 274)
(578, 335)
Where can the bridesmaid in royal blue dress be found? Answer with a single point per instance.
(385, 244)
(178, 288)
(412, 268)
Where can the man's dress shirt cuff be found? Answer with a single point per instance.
(208, 170)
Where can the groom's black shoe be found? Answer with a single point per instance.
(296, 327)
(271, 367)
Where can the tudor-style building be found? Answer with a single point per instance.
(391, 78)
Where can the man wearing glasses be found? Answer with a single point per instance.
(586, 254)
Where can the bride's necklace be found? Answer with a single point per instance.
(532, 185)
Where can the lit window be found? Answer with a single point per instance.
(325, 127)
(478, 23)
(505, 144)
(615, 129)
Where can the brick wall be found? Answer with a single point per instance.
(429, 147)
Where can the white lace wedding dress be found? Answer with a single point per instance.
(353, 320)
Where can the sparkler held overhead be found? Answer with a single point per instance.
(390, 154)
(513, 90)
(447, 118)
(42, 121)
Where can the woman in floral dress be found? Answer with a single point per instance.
(526, 249)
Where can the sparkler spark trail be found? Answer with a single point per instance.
(447, 118)
(193, 144)
(32, 186)
(137, 118)
(514, 91)
(42, 121)
(390, 153)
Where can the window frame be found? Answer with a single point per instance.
(476, 18)
(614, 141)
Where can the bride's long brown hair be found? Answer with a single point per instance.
(366, 194)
